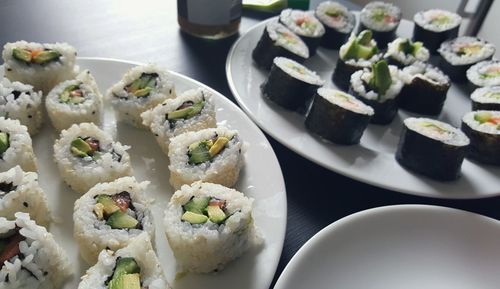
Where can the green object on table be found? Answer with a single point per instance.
(298, 4)
(265, 5)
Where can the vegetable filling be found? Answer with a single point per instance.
(360, 47)
(206, 150)
(143, 86)
(127, 274)
(485, 117)
(117, 210)
(186, 110)
(199, 210)
(4, 143)
(72, 94)
(36, 56)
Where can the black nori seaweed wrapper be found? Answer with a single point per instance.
(265, 52)
(392, 61)
(335, 123)
(421, 96)
(483, 147)
(381, 37)
(341, 76)
(428, 156)
(333, 39)
(286, 90)
(385, 112)
(485, 106)
(457, 73)
(432, 40)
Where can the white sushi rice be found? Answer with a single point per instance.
(444, 132)
(486, 127)
(302, 23)
(161, 127)
(298, 71)
(424, 71)
(406, 59)
(83, 173)
(476, 73)
(345, 100)
(25, 195)
(223, 169)
(41, 77)
(208, 247)
(284, 37)
(43, 264)
(63, 115)
(361, 77)
(94, 235)
(344, 22)
(139, 248)
(20, 151)
(19, 101)
(128, 107)
(488, 94)
(429, 20)
(367, 13)
(449, 50)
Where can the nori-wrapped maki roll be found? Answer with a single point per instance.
(484, 73)
(483, 129)
(383, 19)
(486, 98)
(305, 25)
(434, 26)
(378, 88)
(290, 84)
(432, 148)
(425, 89)
(338, 22)
(403, 52)
(277, 40)
(338, 116)
(359, 52)
(459, 54)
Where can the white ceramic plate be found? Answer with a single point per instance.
(406, 246)
(261, 179)
(372, 161)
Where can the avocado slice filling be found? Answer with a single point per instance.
(142, 86)
(360, 47)
(72, 94)
(410, 48)
(487, 117)
(206, 150)
(434, 127)
(469, 49)
(495, 95)
(127, 274)
(85, 147)
(199, 210)
(440, 19)
(187, 110)
(114, 210)
(381, 78)
(4, 142)
(36, 56)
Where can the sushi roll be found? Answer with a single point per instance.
(86, 155)
(483, 129)
(459, 54)
(277, 40)
(434, 26)
(75, 101)
(382, 19)
(484, 73)
(109, 215)
(15, 146)
(290, 84)
(208, 225)
(30, 257)
(359, 52)
(211, 155)
(425, 89)
(20, 192)
(338, 22)
(133, 267)
(432, 148)
(305, 25)
(141, 88)
(40, 65)
(338, 117)
(403, 52)
(486, 98)
(379, 88)
(193, 110)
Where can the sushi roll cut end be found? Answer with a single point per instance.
(483, 129)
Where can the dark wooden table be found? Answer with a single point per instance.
(147, 31)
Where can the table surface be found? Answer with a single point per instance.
(147, 31)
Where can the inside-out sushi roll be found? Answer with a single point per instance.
(459, 54)
(434, 26)
(40, 65)
(359, 52)
(19, 101)
(277, 40)
(193, 110)
(338, 116)
(30, 257)
(338, 22)
(15, 146)
(109, 215)
(133, 267)
(425, 89)
(403, 52)
(383, 19)
(208, 225)
(486, 98)
(20, 192)
(75, 101)
(290, 84)
(211, 155)
(483, 129)
(305, 25)
(141, 88)
(379, 88)
(85, 155)
(484, 73)
(432, 148)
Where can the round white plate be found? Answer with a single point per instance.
(261, 179)
(372, 161)
(406, 246)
